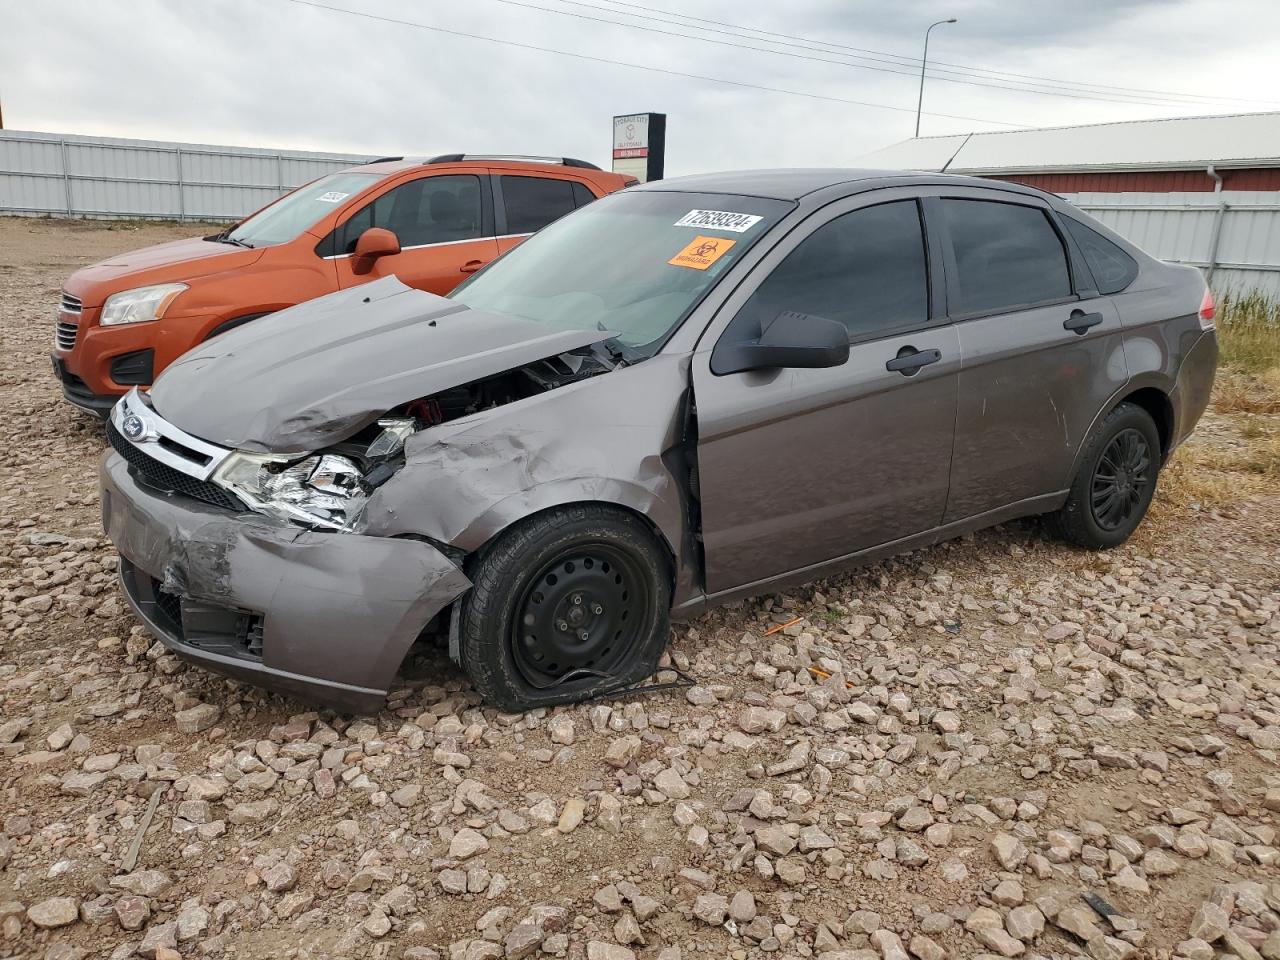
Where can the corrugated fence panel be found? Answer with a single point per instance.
(1180, 227)
(65, 175)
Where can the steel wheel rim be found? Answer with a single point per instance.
(579, 616)
(1121, 479)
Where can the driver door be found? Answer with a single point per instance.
(443, 223)
(798, 467)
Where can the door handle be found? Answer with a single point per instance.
(909, 360)
(471, 266)
(1080, 322)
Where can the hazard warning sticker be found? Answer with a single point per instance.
(718, 220)
(702, 252)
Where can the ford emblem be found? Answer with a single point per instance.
(133, 427)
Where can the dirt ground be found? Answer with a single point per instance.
(997, 746)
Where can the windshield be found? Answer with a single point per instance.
(635, 263)
(295, 212)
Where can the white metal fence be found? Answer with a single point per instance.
(64, 175)
(1234, 236)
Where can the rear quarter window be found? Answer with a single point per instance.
(1112, 268)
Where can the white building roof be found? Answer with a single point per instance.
(1180, 143)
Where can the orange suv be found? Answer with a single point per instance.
(431, 223)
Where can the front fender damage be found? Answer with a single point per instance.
(610, 439)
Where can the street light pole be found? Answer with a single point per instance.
(923, 63)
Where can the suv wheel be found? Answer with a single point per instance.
(564, 605)
(1116, 481)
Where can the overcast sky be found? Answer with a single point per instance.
(278, 73)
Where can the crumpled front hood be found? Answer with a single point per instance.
(317, 373)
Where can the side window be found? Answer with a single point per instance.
(1007, 256)
(865, 269)
(581, 195)
(1112, 268)
(436, 209)
(532, 202)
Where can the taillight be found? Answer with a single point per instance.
(1208, 310)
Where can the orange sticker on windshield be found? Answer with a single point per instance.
(702, 252)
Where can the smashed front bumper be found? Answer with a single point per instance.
(325, 616)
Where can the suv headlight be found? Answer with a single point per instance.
(143, 303)
(325, 490)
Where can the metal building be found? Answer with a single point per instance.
(64, 175)
(1197, 190)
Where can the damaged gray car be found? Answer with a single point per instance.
(682, 394)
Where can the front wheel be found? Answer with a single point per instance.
(564, 605)
(1115, 484)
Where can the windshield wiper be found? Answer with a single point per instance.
(615, 353)
(225, 237)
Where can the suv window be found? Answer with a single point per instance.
(1112, 268)
(865, 269)
(581, 195)
(1007, 256)
(533, 202)
(437, 209)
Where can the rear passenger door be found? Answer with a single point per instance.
(444, 224)
(1042, 349)
(525, 204)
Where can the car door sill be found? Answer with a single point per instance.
(1022, 508)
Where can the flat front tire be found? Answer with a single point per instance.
(1115, 482)
(564, 605)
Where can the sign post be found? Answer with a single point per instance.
(640, 145)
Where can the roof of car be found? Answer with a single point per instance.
(793, 183)
(389, 165)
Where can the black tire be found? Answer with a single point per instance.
(540, 586)
(1115, 483)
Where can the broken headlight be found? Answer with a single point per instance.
(325, 490)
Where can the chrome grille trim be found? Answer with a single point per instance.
(164, 442)
(67, 326)
(64, 335)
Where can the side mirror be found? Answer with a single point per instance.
(373, 243)
(791, 340)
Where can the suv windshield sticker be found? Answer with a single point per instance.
(718, 220)
(702, 252)
(333, 196)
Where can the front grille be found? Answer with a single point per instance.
(64, 335)
(166, 479)
(168, 609)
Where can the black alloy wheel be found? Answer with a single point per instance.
(579, 616)
(1121, 479)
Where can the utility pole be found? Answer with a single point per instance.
(923, 63)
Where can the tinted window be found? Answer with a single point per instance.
(581, 195)
(1006, 256)
(865, 269)
(427, 210)
(531, 203)
(1112, 268)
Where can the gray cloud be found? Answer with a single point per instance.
(274, 73)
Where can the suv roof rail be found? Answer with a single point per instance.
(381, 160)
(564, 161)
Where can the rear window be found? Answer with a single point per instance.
(533, 202)
(1007, 256)
(1112, 268)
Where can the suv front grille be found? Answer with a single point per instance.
(65, 330)
(166, 479)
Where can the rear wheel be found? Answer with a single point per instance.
(565, 604)
(1116, 481)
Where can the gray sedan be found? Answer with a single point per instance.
(684, 393)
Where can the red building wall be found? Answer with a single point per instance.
(1149, 181)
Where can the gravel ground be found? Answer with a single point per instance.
(997, 746)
